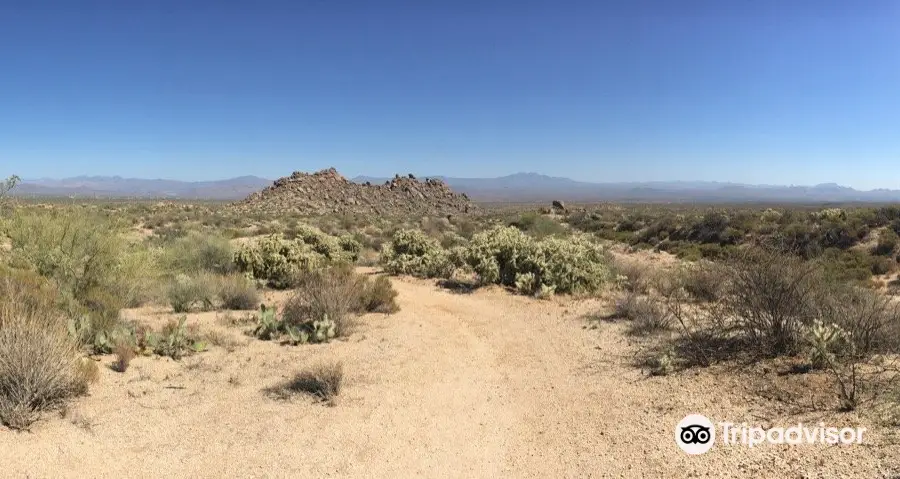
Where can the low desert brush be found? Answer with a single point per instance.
(322, 381)
(236, 292)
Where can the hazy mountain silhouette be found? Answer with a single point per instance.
(118, 187)
(537, 187)
(519, 187)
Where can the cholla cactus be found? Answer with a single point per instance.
(831, 214)
(411, 252)
(663, 364)
(343, 248)
(499, 254)
(525, 283)
(825, 341)
(546, 291)
(573, 264)
(770, 215)
(277, 259)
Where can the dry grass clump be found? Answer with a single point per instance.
(322, 381)
(639, 276)
(39, 361)
(646, 316)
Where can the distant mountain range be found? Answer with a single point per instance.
(537, 187)
(118, 187)
(519, 187)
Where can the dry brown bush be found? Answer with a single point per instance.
(39, 361)
(322, 381)
(338, 293)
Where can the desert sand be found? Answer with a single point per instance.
(481, 384)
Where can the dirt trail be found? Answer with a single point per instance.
(455, 385)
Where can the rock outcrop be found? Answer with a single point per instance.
(327, 192)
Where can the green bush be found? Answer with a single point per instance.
(198, 252)
(538, 225)
(86, 258)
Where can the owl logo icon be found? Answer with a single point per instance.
(695, 434)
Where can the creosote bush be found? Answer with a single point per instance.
(198, 252)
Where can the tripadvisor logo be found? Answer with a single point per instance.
(696, 434)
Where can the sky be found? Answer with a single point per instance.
(772, 92)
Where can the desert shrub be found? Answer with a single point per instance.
(325, 300)
(379, 296)
(85, 257)
(638, 276)
(704, 281)
(538, 225)
(850, 265)
(198, 252)
(238, 293)
(186, 292)
(841, 234)
(39, 363)
(881, 265)
(645, 315)
(772, 297)
(887, 243)
(412, 252)
(800, 238)
(871, 320)
(322, 381)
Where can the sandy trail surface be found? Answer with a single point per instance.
(484, 384)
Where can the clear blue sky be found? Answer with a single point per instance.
(761, 91)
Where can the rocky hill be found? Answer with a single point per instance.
(327, 192)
